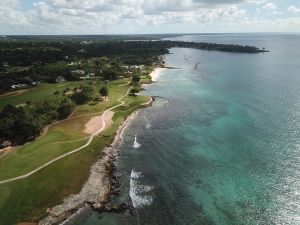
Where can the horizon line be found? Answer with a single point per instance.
(136, 34)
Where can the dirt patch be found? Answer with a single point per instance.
(5, 151)
(27, 223)
(18, 92)
(95, 123)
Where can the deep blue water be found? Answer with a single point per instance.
(222, 145)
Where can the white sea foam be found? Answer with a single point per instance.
(138, 193)
(135, 175)
(135, 143)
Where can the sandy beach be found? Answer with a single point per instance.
(156, 73)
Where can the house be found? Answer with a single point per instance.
(137, 67)
(15, 86)
(35, 83)
(5, 144)
(84, 78)
(60, 79)
(86, 42)
(74, 63)
(81, 72)
(81, 51)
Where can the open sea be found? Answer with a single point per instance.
(221, 145)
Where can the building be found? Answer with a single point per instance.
(81, 72)
(84, 78)
(81, 51)
(60, 79)
(5, 144)
(35, 83)
(15, 86)
(137, 67)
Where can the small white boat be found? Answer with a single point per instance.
(136, 144)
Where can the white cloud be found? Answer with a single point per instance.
(269, 6)
(121, 16)
(293, 9)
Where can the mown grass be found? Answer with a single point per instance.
(28, 199)
(40, 93)
(115, 92)
(60, 138)
(29, 158)
(46, 92)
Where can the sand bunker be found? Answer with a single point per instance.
(95, 123)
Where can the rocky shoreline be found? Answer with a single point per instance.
(100, 187)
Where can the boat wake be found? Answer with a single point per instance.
(138, 193)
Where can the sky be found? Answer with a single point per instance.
(25, 17)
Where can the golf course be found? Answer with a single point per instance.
(28, 198)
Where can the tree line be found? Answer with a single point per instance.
(22, 124)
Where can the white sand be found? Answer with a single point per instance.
(155, 73)
(95, 123)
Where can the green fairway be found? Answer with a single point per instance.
(61, 138)
(41, 93)
(116, 90)
(28, 199)
(46, 92)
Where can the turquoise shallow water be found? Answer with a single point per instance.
(222, 145)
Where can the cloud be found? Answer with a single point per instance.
(122, 16)
(293, 9)
(269, 6)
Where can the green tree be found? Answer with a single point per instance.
(85, 95)
(110, 73)
(104, 91)
(134, 91)
(136, 79)
(18, 125)
(25, 130)
(65, 109)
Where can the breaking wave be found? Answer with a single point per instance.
(138, 193)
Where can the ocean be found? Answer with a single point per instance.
(221, 143)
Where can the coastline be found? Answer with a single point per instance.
(101, 185)
(156, 73)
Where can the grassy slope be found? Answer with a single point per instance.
(28, 199)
